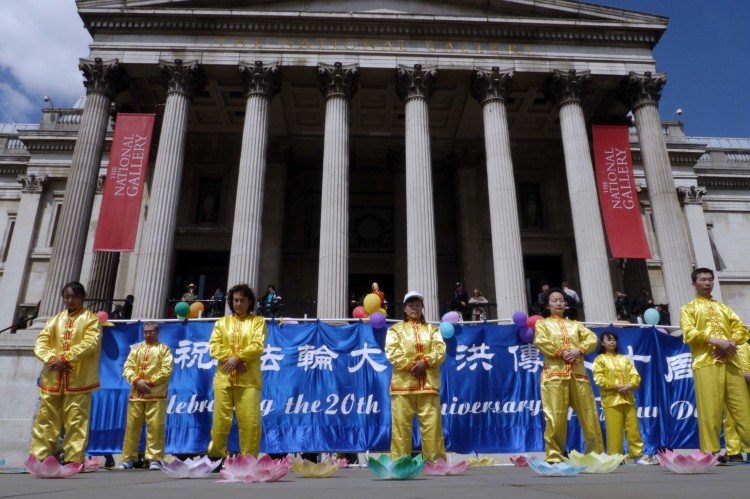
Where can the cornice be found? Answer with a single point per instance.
(724, 181)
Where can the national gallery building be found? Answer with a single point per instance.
(321, 146)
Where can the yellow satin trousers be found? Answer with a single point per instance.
(717, 385)
(621, 418)
(154, 414)
(246, 403)
(67, 410)
(427, 409)
(557, 396)
(731, 438)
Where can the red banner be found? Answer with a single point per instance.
(617, 195)
(123, 187)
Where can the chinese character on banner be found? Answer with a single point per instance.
(188, 352)
(680, 367)
(364, 353)
(526, 357)
(312, 358)
(640, 358)
(476, 353)
(269, 361)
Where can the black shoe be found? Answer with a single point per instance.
(735, 458)
(721, 458)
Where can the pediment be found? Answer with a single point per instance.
(535, 9)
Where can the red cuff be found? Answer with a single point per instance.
(62, 358)
(582, 350)
(425, 362)
(559, 352)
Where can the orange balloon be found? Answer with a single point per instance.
(195, 309)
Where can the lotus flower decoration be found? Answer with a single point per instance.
(443, 468)
(249, 469)
(93, 463)
(189, 468)
(697, 462)
(481, 463)
(51, 468)
(595, 462)
(403, 468)
(519, 461)
(324, 469)
(553, 469)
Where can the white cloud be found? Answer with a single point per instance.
(40, 44)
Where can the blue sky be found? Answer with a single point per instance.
(704, 53)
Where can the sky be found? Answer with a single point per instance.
(703, 52)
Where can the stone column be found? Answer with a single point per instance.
(260, 85)
(566, 89)
(103, 81)
(415, 86)
(692, 208)
(104, 264)
(490, 88)
(17, 264)
(641, 93)
(274, 204)
(157, 242)
(338, 83)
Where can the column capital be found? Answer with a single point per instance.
(104, 77)
(491, 84)
(338, 79)
(691, 195)
(260, 80)
(184, 78)
(565, 87)
(32, 183)
(637, 89)
(417, 81)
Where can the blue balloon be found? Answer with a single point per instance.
(651, 316)
(447, 330)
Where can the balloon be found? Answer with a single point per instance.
(372, 303)
(531, 322)
(377, 320)
(519, 318)
(382, 311)
(446, 329)
(359, 312)
(182, 309)
(195, 309)
(526, 334)
(103, 317)
(451, 317)
(651, 316)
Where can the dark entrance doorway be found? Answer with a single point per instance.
(361, 284)
(540, 270)
(206, 269)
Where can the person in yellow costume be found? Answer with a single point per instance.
(563, 342)
(713, 331)
(617, 378)
(148, 369)
(731, 438)
(70, 346)
(237, 342)
(416, 349)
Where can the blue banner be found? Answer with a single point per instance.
(325, 388)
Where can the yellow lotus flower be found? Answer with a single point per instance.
(480, 463)
(308, 469)
(594, 462)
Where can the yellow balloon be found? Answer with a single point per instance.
(372, 303)
(382, 311)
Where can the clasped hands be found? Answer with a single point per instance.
(58, 365)
(723, 348)
(418, 368)
(233, 364)
(623, 389)
(570, 356)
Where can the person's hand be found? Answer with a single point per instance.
(233, 364)
(571, 356)
(142, 387)
(418, 369)
(726, 348)
(624, 389)
(57, 365)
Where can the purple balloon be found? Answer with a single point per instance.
(377, 320)
(526, 334)
(451, 317)
(519, 318)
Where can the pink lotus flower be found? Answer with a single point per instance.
(442, 468)
(93, 463)
(697, 462)
(50, 468)
(519, 461)
(249, 469)
(342, 462)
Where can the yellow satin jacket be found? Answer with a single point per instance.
(705, 318)
(611, 370)
(407, 342)
(76, 339)
(242, 337)
(554, 335)
(152, 363)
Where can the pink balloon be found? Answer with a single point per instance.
(359, 312)
(451, 317)
(532, 321)
(103, 317)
